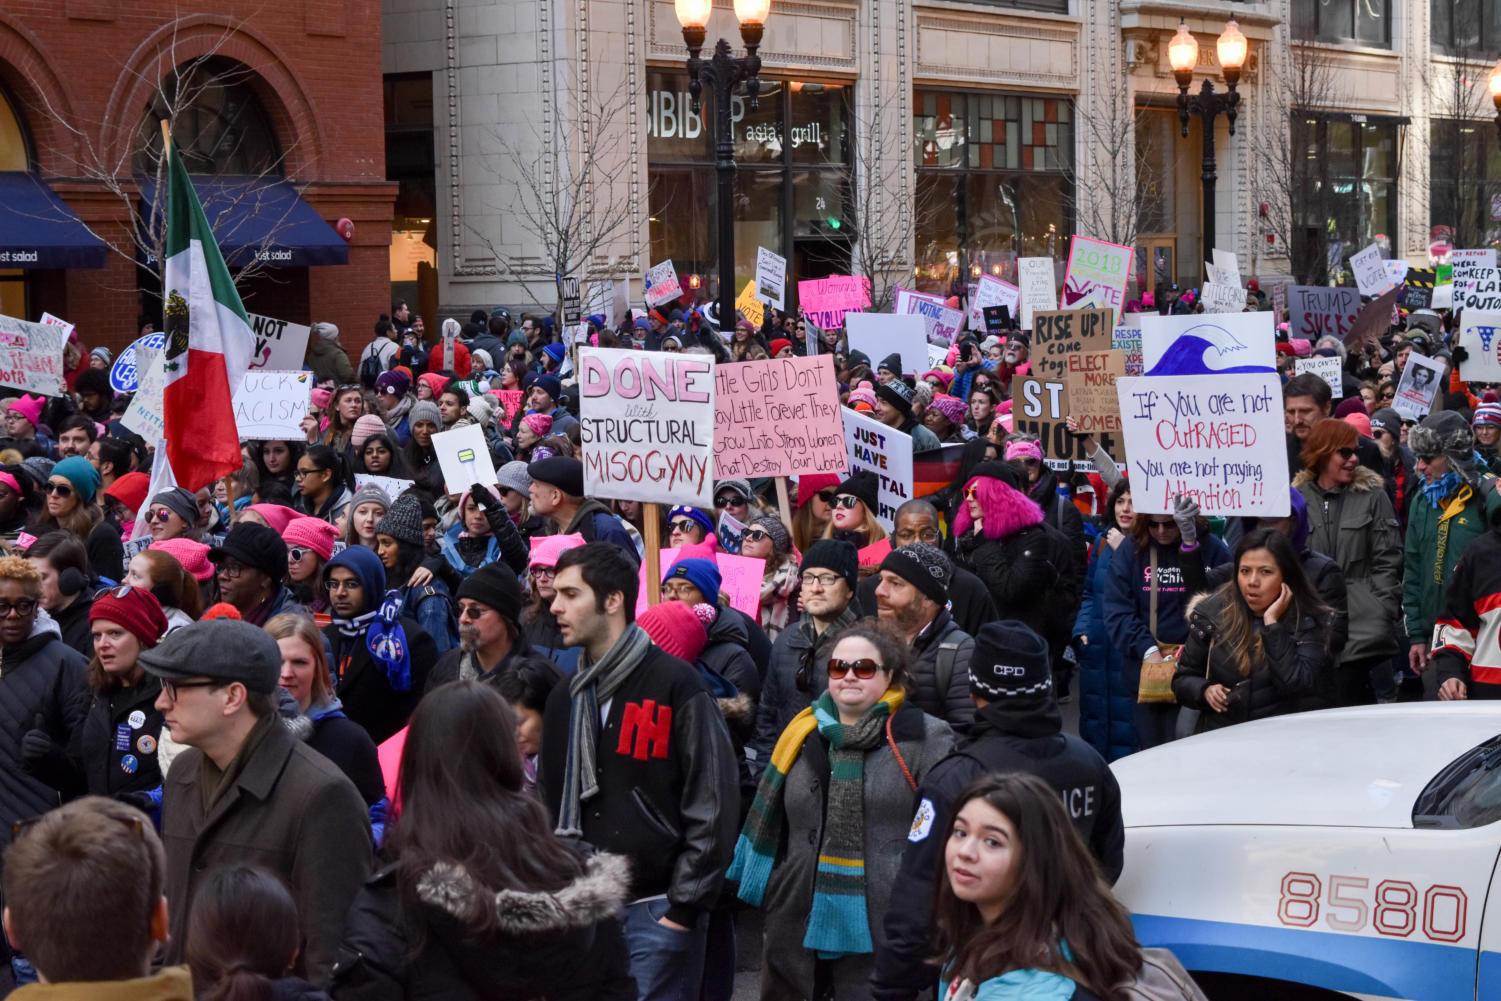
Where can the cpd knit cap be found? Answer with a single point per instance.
(701, 573)
(85, 478)
(134, 608)
(480, 361)
(367, 427)
(197, 651)
(781, 539)
(191, 556)
(130, 490)
(923, 566)
(898, 394)
(402, 521)
(1352, 405)
(1360, 421)
(997, 470)
(864, 485)
(539, 424)
(1444, 432)
(1010, 661)
(836, 555)
(1487, 413)
(312, 533)
(675, 628)
(393, 383)
(29, 407)
(547, 549)
(549, 383)
(369, 494)
(555, 351)
(183, 503)
(254, 545)
(559, 471)
(691, 513)
(495, 585)
(424, 410)
(513, 476)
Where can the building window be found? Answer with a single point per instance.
(1464, 181)
(993, 184)
(1050, 6)
(411, 162)
(1470, 28)
(220, 125)
(1363, 22)
(1348, 198)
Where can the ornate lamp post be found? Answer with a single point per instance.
(1183, 54)
(724, 73)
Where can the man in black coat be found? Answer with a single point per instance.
(1018, 728)
(489, 605)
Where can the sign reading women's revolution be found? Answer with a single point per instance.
(1096, 276)
(31, 356)
(648, 425)
(886, 452)
(824, 301)
(779, 417)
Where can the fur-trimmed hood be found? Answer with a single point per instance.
(1365, 479)
(595, 895)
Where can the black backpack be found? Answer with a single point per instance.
(370, 367)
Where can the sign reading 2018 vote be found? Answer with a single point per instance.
(648, 425)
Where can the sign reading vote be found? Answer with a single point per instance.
(270, 406)
(779, 417)
(647, 425)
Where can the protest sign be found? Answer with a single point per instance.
(124, 374)
(1417, 289)
(1315, 311)
(1216, 275)
(31, 356)
(941, 325)
(510, 402)
(1091, 393)
(937, 355)
(904, 297)
(881, 334)
(1207, 345)
(661, 283)
(1480, 336)
(393, 486)
(779, 417)
(886, 452)
(753, 308)
(1325, 368)
(1279, 300)
(1035, 275)
(991, 291)
(57, 321)
(570, 291)
(464, 457)
(1040, 406)
(771, 278)
(1223, 298)
(1442, 298)
(278, 344)
(597, 301)
(1097, 275)
(1396, 271)
(1057, 333)
(1370, 272)
(1418, 386)
(730, 531)
(648, 425)
(1217, 439)
(1228, 266)
(1127, 340)
(1481, 292)
(824, 301)
(145, 415)
(1463, 264)
(271, 405)
(740, 580)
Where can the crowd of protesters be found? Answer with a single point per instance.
(296, 737)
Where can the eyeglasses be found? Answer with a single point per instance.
(60, 489)
(544, 571)
(170, 688)
(300, 473)
(1346, 453)
(229, 570)
(474, 611)
(756, 535)
(678, 588)
(159, 514)
(344, 584)
(864, 668)
(821, 579)
(730, 500)
(1430, 457)
(970, 491)
(927, 535)
(1377, 434)
(1159, 525)
(846, 501)
(682, 525)
(296, 553)
(24, 607)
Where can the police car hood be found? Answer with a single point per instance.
(1339, 768)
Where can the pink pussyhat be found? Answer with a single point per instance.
(29, 407)
(547, 549)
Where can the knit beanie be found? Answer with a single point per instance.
(495, 585)
(480, 361)
(997, 470)
(778, 345)
(951, 407)
(437, 383)
(1360, 421)
(424, 410)
(836, 555)
(891, 363)
(1020, 451)
(365, 428)
(191, 556)
(312, 533)
(278, 516)
(402, 521)
(701, 573)
(219, 610)
(513, 476)
(781, 539)
(864, 485)
(29, 407)
(691, 513)
(540, 424)
(863, 393)
(130, 490)
(547, 548)
(741, 488)
(555, 352)
(547, 382)
(136, 609)
(327, 331)
(1487, 413)
(675, 628)
(183, 503)
(1352, 405)
(1445, 432)
(102, 353)
(923, 566)
(369, 494)
(256, 546)
(393, 383)
(898, 394)
(85, 479)
(1010, 661)
(1387, 420)
(809, 485)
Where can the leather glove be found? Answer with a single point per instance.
(1185, 511)
(142, 801)
(483, 499)
(1460, 354)
(37, 744)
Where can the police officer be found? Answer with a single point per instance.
(1017, 728)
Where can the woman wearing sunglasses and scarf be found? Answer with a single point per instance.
(70, 506)
(839, 786)
(854, 512)
(767, 539)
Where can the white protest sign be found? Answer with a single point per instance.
(1097, 274)
(1481, 292)
(1228, 266)
(886, 452)
(941, 325)
(145, 414)
(1396, 271)
(662, 284)
(271, 405)
(937, 355)
(57, 321)
(31, 356)
(464, 457)
(1325, 368)
(881, 334)
(1370, 272)
(1418, 387)
(1464, 263)
(647, 425)
(992, 291)
(1443, 297)
(279, 345)
(771, 278)
(1480, 335)
(1223, 344)
(1217, 439)
(1035, 275)
(1216, 275)
(1223, 298)
(393, 486)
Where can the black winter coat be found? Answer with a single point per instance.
(115, 748)
(39, 677)
(942, 648)
(360, 680)
(344, 742)
(73, 621)
(1031, 578)
(727, 655)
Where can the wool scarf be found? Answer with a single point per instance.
(1440, 489)
(838, 924)
(592, 684)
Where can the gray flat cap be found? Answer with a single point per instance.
(223, 649)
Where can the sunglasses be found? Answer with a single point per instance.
(1430, 457)
(864, 668)
(24, 607)
(682, 525)
(118, 592)
(827, 496)
(295, 553)
(756, 535)
(1346, 453)
(159, 514)
(60, 489)
(846, 501)
(730, 500)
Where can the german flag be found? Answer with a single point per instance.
(936, 468)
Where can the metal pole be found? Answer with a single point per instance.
(724, 166)
(1209, 176)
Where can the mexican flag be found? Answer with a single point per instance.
(209, 343)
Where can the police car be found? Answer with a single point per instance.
(1346, 853)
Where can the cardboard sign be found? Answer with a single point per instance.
(1127, 340)
(824, 301)
(1091, 393)
(941, 325)
(1325, 368)
(992, 291)
(31, 356)
(753, 308)
(1058, 333)
(1370, 272)
(740, 580)
(1279, 300)
(279, 345)
(464, 457)
(271, 405)
(1096, 276)
(393, 486)
(1035, 274)
(881, 334)
(662, 284)
(778, 418)
(124, 374)
(886, 452)
(1480, 335)
(1482, 291)
(1217, 439)
(1315, 311)
(1418, 387)
(1039, 407)
(648, 425)
(1222, 344)
(771, 278)
(145, 415)
(1223, 298)
(1228, 266)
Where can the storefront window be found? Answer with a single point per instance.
(1348, 200)
(224, 128)
(13, 156)
(1464, 169)
(992, 184)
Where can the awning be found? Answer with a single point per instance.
(37, 230)
(258, 218)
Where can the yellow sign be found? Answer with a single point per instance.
(753, 308)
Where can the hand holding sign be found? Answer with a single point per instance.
(464, 457)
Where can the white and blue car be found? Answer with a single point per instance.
(1347, 853)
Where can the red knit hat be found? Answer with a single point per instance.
(778, 344)
(314, 533)
(135, 608)
(809, 484)
(675, 628)
(222, 610)
(460, 359)
(130, 490)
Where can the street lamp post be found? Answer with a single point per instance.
(724, 72)
(1183, 54)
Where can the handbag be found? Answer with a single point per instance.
(1156, 684)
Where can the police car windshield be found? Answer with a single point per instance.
(1467, 793)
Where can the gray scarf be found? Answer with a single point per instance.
(592, 684)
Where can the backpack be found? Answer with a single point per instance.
(1161, 978)
(943, 670)
(371, 365)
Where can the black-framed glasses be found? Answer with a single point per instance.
(756, 535)
(342, 584)
(928, 535)
(730, 500)
(229, 569)
(682, 525)
(865, 668)
(545, 572)
(60, 489)
(299, 473)
(820, 579)
(846, 501)
(678, 589)
(24, 606)
(170, 688)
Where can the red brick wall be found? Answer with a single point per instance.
(92, 63)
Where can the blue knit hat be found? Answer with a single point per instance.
(701, 573)
(81, 473)
(550, 384)
(555, 352)
(683, 510)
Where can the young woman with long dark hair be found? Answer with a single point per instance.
(243, 939)
(324, 483)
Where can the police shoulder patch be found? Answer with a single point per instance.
(922, 823)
